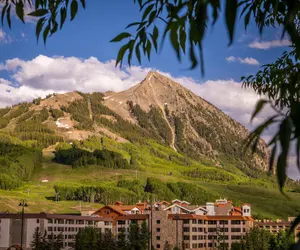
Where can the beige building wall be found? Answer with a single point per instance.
(4, 233)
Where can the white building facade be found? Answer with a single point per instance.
(52, 224)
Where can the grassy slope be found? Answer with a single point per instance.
(265, 201)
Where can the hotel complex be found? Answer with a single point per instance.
(179, 223)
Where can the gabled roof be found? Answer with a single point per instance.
(128, 207)
(113, 207)
(246, 204)
(187, 208)
(200, 208)
(186, 202)
(176, 200)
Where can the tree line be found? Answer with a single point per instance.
(80, 158)
(131, 191)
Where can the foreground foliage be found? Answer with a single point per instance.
(261, 239)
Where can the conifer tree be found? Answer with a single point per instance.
(121, 240)
(108, 241)
(37, 242)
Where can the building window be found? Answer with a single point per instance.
(194, 229)
(158, 230)
(236, 237)
(158, 246)
(50, 229)
(157, 221)
(211, 230)
(50, 221)
(157, 237)
(200, 229)
(186, 221)
(235, 222)
(212, 237)
(224, 229)
(200, 221)
(106, 223)
(212, 222)
(194, 237)
(200, 245)
(224, 222)
(194, 221)
(186, 237)
(186, 229)
(121, 222)
(236, 230)
(37, 221)
(194, 245)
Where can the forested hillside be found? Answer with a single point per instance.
(139, 144)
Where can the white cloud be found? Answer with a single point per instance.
(246, 60)
(230, 59)
(269, 44)
(4, 38)
(43, 75)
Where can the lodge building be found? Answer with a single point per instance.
(179, 223)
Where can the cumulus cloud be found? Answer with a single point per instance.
(246, 60)
(264, 45)
(43, 75)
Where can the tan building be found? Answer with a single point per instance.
(52, 224)
(184, 225)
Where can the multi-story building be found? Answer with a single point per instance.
(184, 225)
(52, 224)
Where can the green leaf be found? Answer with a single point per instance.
(285, 132)
(294, 224)
(174, 40)
(20, 10)
(138, 53)
(182, 39)
(259, 106)
(154, 37)
(46, 32)
(121, 54)
(192, 56)
(8, 16)
(230, 13)
(132, 24)
(74, 9)
(147, 11)
(121, 36)
(39, 27)
(272, 158)
(54, 29)
(63, 16)
(148, 49)
(39, 12)
(83, 3)
(247, 19)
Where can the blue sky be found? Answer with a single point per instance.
(80, 58)
(89, 35)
